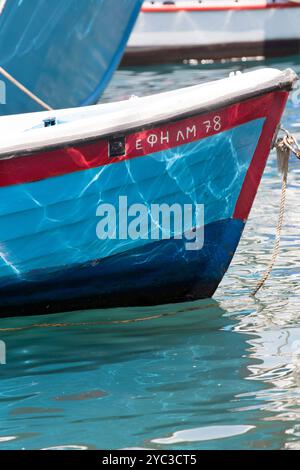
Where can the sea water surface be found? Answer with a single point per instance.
(213, 374)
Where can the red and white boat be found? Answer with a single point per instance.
(169, 31)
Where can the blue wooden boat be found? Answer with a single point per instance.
(65, 51)
(203, 145)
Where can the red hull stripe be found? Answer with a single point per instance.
(259, 160)
(199, 8)
(61, 161)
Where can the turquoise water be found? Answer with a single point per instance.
(215, 374)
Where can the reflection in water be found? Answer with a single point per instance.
(204, 434)
(156, 376)
(214, 374)
(163, 377)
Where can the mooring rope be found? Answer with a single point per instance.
(284, 146)
(80, 324)
(25, 90)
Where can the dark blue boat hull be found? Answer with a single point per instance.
(163, 272)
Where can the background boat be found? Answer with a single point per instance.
(206, 144)
(170, 31)
(64, 51)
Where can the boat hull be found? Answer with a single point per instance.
(62, 46)
(51, 257)
(160, 273)
(167, 54)
(167, 33)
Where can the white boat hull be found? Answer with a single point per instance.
(214, 30)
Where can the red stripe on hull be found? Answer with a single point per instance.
(198, 8)
(259, 160)
(57, 162)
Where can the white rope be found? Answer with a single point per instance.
(284, 147)
(276, 248)
(24, 89)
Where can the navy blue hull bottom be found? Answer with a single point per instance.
(161, 272)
